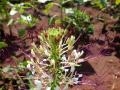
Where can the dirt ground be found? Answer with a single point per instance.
(107, 68)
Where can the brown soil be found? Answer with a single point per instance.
(107, 68)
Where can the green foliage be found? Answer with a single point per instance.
(48, 8)
(66, 3)
(90, 29)
(100, 3)
(52, 49)
(21, 7)
(117, 2)
(3, 45)
(4, 7)
(78, 19)
(21, 32)
(28, 20)
(53, 36)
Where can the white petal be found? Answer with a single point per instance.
(86, 0)
(64, 58)
(75, 79)
(29, 18)
(21, 4)
(13, 12)
(29, 66)
(33, 72)
(75, 53)
(80, 60)
(23, 17)
(80, 53)
(66, 70)
(69, 11)
(48, 88)
(76, 82)
(43, 1)
(44, 60)
(46, 52)
(80, 75)
(72, 69)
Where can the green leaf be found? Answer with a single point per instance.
(3, 45)
(117, 2)
(21, 32)
(90, 29)
(51, 20)
(48, 8)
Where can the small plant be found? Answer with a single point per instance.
(53, 62)
(79, 20)
(4, 15)
(101, 4)
(28, 20)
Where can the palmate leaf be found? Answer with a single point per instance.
(3, 45)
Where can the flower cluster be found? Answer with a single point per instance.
(53, 62)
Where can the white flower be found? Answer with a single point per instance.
(80, 60)
(29, 66)
(33, 72)
(75, 80)
(52, 61)
(66, 70)
(13, 11)
(77, 54)
(69, 11)
(72, 68)
(26, 18)
(80, 53)
(80, 75)
(43, 1)
(64, 58)
(48, 88)
(86, 0)
(46, 52)
(21, 4)
(29, 18)
(44, 60)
